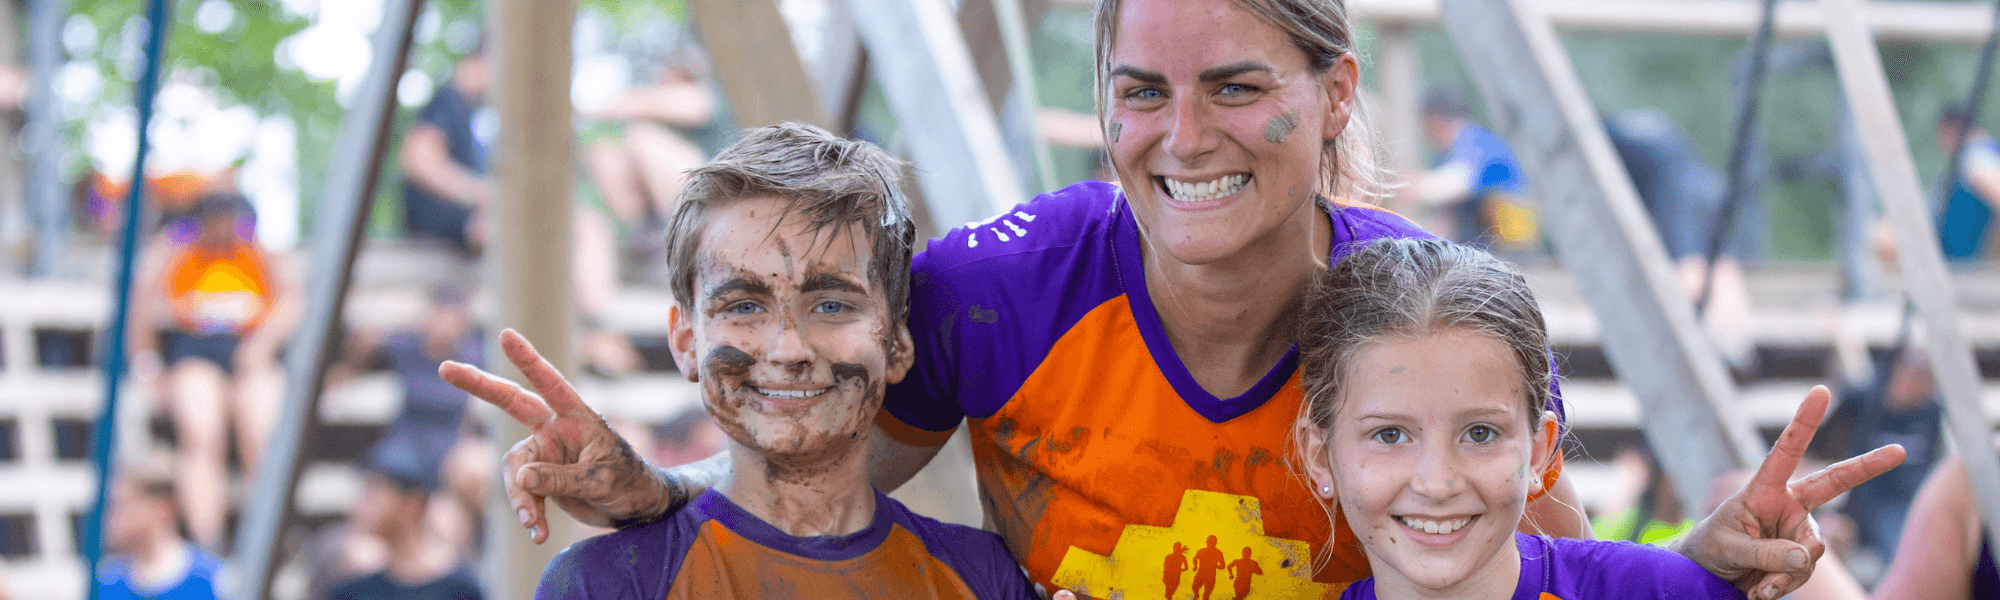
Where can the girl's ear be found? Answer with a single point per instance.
(1544, 460)
(1312, 444)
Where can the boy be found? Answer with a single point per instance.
(789, 258)
(143, 527)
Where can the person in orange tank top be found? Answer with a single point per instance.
(222, 310)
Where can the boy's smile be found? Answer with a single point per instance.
(788, 335)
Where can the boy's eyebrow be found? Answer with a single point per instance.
(830, 282)
(1143, 76)
(1232, 70)
(740, 283)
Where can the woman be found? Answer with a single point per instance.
(1125, 355)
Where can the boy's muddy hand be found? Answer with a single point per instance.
(1764, 538)
(569, 455)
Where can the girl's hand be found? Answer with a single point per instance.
(1764, 538)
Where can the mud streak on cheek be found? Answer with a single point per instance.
(727, 361)
(1280, 126)
(1116, 129)
(844, 372)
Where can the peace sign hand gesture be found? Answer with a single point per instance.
(1764, 538)
(570, 454)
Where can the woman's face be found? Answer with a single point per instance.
(1216, 124)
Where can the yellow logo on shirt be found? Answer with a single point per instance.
(1215, 548)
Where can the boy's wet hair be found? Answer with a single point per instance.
(1398, 288)
(832, 183)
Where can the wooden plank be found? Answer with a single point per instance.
(1866, 86)
(531, 215)
(1915, 20)
(1602, 234)
(840, 73)
(350, 192)
(1401, 113)
(756, 62)
(927, 72)
(45, 143)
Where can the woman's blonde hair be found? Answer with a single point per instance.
(1320, 29)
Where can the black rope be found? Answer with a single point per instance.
(1739, 152)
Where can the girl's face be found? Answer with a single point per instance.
(1216, 124)
(1432, 453)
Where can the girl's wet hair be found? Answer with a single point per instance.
(1401, 288)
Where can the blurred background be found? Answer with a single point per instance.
(249, 114)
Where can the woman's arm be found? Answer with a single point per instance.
(1934, 558)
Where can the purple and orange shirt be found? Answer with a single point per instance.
(715, 549)
(1099, 456)
(1570, 569)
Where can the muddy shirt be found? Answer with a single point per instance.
(715, 549)
(1569, 569)
(1097, 451)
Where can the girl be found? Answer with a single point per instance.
(1429, 418)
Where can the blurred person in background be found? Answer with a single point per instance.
(225, 307)
(1968, 212)
(1652, 514)
(637, 152)
(421, 562)
(142, 528)
(444, 159)
(1476, 181)
(1900, 408)
(1684, 194)
(446, 192)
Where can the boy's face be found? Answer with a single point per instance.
(788, 335)
(1432, 457)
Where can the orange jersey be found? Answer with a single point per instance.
(219, 292)
(716, 549)
(1097, 452)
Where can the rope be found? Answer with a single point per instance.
(104, 435)
(1739, 152)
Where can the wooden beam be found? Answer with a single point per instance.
(840, 73)
(761, 75)
(1917, 20)
(1603, 236)
(350, 194)
(927, 72)
(1401, 116)
(529, 239)
(1866, 86)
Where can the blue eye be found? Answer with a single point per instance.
(1144, 94)
(1390, 435)
(1235, 88)
(831, 307)
(743, 308)
(1481, 434)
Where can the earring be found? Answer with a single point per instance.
(1326, 491)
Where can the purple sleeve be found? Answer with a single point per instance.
(1607, 569)
(634, 563)
(988, 301)
(978, 556)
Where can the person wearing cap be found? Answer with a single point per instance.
(223, 306)
(396, 499)
(142, 529)
(1475, 179)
